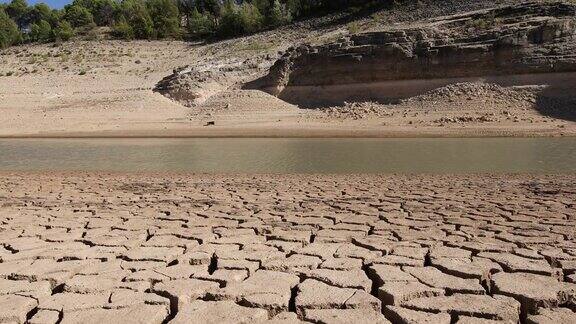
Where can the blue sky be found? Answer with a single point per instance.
(57, 4)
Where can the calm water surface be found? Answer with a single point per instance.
(292, 155)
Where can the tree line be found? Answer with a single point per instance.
(157, 19)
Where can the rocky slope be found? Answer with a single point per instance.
(524, 44)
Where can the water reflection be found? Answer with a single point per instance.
(292, 155)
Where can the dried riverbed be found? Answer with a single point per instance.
(93, 248)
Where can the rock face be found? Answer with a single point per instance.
(193, 85)
(530, 43)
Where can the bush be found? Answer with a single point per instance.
(9, 33)
(121, 29)
(63, 31)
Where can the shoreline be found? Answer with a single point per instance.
(507, 176)
(298, 133)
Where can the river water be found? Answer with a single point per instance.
(424, 155)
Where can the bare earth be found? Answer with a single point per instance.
(90, 248)
(105, 89)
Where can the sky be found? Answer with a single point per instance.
(56, 4)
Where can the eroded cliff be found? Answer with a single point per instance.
(524, 44)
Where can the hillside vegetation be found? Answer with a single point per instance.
(160, 19)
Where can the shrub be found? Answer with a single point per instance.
(121, 29)
(353, 27)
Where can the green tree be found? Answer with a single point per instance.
(39, 12)
(239, 19)
(78, 16)
(103, 11)
(41, 32)
(63, 31)
(165, 17)
(211, 6)
(9, 33)
(228, 18)
(262, 5)
(200, 25)
(138, 18)
(251, 19)
(279, 14)
(18, 11)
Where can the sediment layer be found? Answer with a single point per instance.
(524, 44)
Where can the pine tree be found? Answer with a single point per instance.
(41, 32)
(262, 5)
(9, 33)
(200, 25)
(39, 12)
(63, 31)
(18, 11)
(229, 20)
(251, 20)
(78, 16)
(279, 14)
(165, 17)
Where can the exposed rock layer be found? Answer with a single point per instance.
(531, 43)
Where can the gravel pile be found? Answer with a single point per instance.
(475, 97)
(485, 92)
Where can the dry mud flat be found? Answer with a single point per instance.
(94, 248)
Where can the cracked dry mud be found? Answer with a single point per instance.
(96, 248)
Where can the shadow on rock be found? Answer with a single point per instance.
(557, 103)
